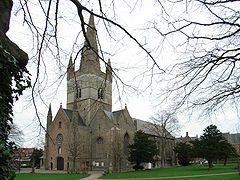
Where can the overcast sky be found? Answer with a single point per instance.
(127, 59)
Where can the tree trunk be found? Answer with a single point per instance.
(210, 164)
(163, 154)
(138, 165)
(33, 163)
(74, 164)
(225, 162)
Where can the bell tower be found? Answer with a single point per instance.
(91, 87)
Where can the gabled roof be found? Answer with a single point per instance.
(69, 115)
(186, 139)
(109, 114)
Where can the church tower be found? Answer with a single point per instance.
(91, 87)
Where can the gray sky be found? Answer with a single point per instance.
(126, 57)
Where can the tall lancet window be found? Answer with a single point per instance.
(100, 152)
(100, 93)
(126, 144)
(59, 150)
(79, 93)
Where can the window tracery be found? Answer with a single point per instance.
(59, 139)
(79, 93)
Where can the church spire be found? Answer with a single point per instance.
(109, 70)
(49, 116)
(90, 61)
(47, 137)
(70, 69)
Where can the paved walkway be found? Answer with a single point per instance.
(94, 175)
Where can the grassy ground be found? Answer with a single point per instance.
(222, 177)
(174, 171)
(29, 176)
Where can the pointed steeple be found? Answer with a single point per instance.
(90, 61)
(47, 137)
(49, 116)
(70, 69)
(109, 70)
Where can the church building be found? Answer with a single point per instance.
(87, 135)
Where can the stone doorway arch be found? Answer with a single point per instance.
(60, 163)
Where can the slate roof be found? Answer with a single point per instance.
(117, 113)
(148, 127)
(144, 126)
(69, 115)
(109, 114)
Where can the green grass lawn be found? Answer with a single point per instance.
(29, 176)
(222, 177)
(174, 171)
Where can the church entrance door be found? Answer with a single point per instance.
(60, 163)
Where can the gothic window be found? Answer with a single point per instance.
(59, 138)
(100, 93)
(79, 93)
(60, 124)
(99, 140)
(100, 153)
(126, 143)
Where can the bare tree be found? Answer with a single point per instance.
(35, 158)
(164, 125)
(207, 73)
(75, 143)
(47, 36)
(117, 150)
(74, 149)
(16, 135)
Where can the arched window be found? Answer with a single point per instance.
(60, 124)
(126, 143)
(79, 93)
(59, 150)
(99, 140)
(100, 153)
(100, 93)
